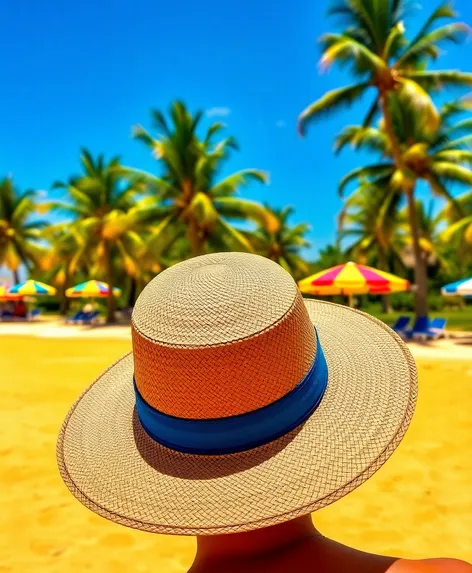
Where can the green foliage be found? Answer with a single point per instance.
(104, 233)
(124, 225)
(20, 231)
(282, 242)
(189, 200)
(374, 44)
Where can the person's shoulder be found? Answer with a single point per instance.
(430, 566)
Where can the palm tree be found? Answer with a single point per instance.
(439, 158)
(372, 217)
(187, 198)
(375, 46)
(62, 260)
(106, 220)
(20, 234)
(282, 244)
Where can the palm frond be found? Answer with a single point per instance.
(88, 163)
(230, 184)
(341, 46)
(331, 101)
(373, 111)
(160, 122)
(214, 128)
(235, 208)
(356, 15)
(422, 46)
(453, 156)
(439, 189)
(359, 138)
(465, 124)
(452, 172)
(464, 225)
(459, 143)
(163, 235)
(460, 105)
(377, 170)
(437, 79)
(233, 238)
(444, 10)
(394, 41)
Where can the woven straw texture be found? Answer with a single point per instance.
(221, 335)
(115, 469)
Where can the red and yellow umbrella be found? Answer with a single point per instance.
(351, 278)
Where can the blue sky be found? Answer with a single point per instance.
(82, 73)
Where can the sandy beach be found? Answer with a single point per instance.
(417, 505)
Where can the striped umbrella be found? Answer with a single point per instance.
(350, 279)
(32, 288)
(459, 288)
(6, 295)
(91, 289)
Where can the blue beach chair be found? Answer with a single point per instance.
(400, 325)
(89, 317)
(34, 314)
(420, 328)
(437, 328)
(78, 316)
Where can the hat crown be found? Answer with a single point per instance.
(214, 299)
(220, 335)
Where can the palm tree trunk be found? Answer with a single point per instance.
(389, 130)
(132, 292)
(16, 276)
(386, 304)
(385, 299)
(421, 279)
(421, 295)
(196, 246)
(64, 301)
(111, 318)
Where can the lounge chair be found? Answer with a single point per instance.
(34, 314)
(400, 325)
(89, 317)
(420, 328)
(437, 328)
(78, 316)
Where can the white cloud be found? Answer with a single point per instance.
(280, 123)
(218, 111)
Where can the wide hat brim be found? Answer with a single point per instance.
(115, 469)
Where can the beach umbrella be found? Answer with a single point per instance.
(91, 289)
(32, 288)
(6, 295)
(459, 288)
(350, 279)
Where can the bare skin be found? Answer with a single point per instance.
(297, 547)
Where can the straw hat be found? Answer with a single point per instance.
(242, 405)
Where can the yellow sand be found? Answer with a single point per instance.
(419, 504)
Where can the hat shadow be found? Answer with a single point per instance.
(203, 467)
